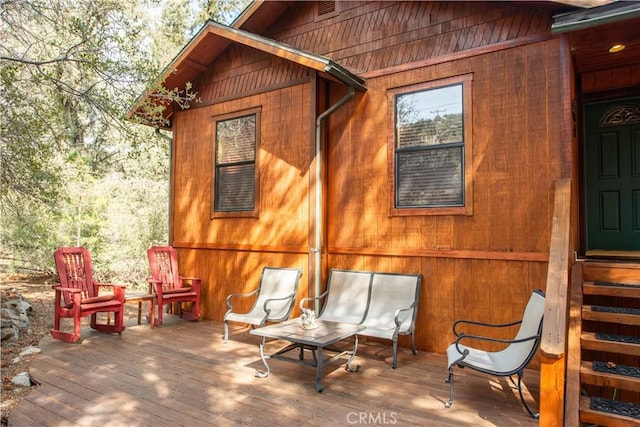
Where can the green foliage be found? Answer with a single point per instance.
(181, 19)
(24, 233)
(128, 225)
(73, 169)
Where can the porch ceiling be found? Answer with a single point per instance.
(593, 31)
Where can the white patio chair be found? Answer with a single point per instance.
(393, 308)
(512, 359)
(346, 298)
(276, 296)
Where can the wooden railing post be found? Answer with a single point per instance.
(553, 361)
(573, 357)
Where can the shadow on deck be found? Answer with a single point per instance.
(182, 374)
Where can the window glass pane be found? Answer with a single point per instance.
(235, 188)
(235, 164)
(429, 117)
(235, 140)
(430, 178)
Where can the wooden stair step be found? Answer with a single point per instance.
(590, 341)
(611, 315)
(611, 289)
(606, 379)
(593, 416)
(613, 292)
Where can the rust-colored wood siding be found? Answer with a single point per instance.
(481, 266)
(615, 78)
(241, 71)
(370, 36)
(484, 265)
(229, 253)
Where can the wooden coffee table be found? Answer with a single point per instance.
(317, 340)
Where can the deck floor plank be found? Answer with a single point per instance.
(181, 373)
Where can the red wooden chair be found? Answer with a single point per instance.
(77, 295)
(168, 286)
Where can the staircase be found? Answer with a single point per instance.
(609, 342)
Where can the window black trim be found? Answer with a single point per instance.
(216, 210)
(466, 207)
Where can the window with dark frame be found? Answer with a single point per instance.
(235, 164)
(429, 147)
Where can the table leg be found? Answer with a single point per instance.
(153, 312)
(353, 355)
(259, 373)
(139, 311)
(319, 363)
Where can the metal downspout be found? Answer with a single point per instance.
(319, 187)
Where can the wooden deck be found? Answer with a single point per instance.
(182, 374)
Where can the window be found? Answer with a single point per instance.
(236, 173)
(431, 140)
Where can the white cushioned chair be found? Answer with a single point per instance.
(511, 360)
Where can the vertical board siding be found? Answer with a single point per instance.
(227, 272)
(620, 77)
(284, 158)
(513, 141)
(517, 154)
(485, 290)
(511, 184)
(193, 170)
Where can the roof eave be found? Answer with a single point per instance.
(304, 58)
(281, 50)
(595, 16)
(345, 76)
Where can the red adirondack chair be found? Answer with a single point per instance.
(168, 286)
(77, 295)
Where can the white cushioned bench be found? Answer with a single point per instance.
(385, 303)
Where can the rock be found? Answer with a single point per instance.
(19, 305)
(30, 350)
(14, 319)
(14, 315)
(22, 379)
(7, 332)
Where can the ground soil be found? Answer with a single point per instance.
(38, 292)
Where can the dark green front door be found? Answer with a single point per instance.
(612, 175)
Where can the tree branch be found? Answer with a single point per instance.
(41, 63)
